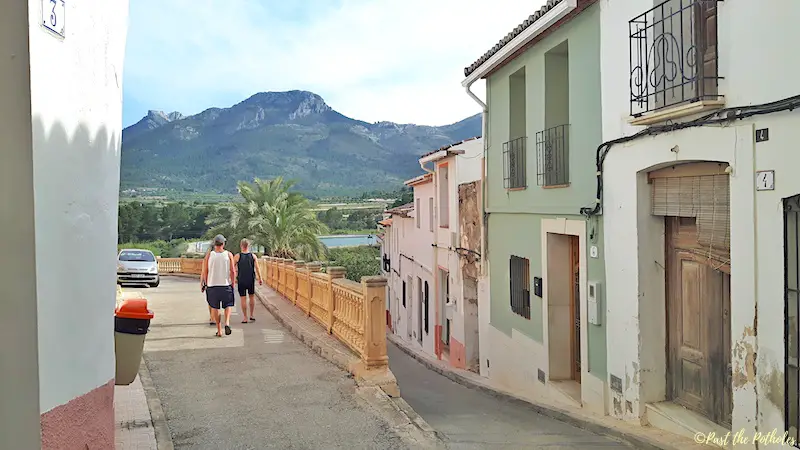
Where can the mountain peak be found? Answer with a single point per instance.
(161, 118)
(297, 103)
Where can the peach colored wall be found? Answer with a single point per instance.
(86, 422)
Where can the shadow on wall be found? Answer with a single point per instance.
(76, 188)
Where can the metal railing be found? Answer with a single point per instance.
(514, 170)
(552, 154)
(673, 55)
(520, 286)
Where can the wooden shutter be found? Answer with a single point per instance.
(707, 48)
(714, 215)
(676, 197)
(707, 198)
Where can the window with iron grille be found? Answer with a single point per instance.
(674, 60)
(520, 286)
(514, 164)
(552, 154)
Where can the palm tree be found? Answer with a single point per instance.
(271, 216)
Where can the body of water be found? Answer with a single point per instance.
(349, 240)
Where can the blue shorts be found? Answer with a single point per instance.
(246, 287)
(220, 296)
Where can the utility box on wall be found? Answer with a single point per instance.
(593, 302)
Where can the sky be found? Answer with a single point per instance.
(373, 60)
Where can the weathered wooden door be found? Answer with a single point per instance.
(575, 306)
(698, 324)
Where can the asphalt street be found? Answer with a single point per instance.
(258, 388)
(470, 419)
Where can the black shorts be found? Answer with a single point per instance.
(247, 287)
(220, 296)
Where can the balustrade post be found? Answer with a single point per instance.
(374, 289)
(271, 272)
(287, 263)
(311, 268)
(333, 274)
(281, 264)
(296, 291)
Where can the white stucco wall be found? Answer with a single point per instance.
(76, 101)
(755, 72)
(469, 163)
(406, 254)
(19, 408)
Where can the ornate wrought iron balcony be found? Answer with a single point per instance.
(552, 154)
(673, 53)
(514, 165)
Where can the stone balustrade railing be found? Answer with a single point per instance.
(353, 312)
(180, 265)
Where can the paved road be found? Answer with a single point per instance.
(255, 389)
(470, 419)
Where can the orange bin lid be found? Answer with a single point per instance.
(134, 308)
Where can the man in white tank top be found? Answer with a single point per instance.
(217, 279)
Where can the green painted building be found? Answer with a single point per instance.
(545, 266)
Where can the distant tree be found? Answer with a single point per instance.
(358, 261)
(406, 196)
(273, 217)
(332, 218)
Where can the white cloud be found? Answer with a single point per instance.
(370, 59)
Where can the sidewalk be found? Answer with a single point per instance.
(134, 427)
(638, 436)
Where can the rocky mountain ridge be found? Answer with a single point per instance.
(294, 133)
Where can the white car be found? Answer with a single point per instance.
(137, 266)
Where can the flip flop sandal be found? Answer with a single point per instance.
(217, 334)
(227, 330)
(212, 323)
(252, 319)
(244, 321)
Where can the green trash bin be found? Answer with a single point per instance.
(131, 323)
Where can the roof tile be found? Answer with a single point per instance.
(510, 36)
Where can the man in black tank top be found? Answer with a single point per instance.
(247, 272)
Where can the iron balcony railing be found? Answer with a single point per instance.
(552, 155)
(514, 163)
(673, 55)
